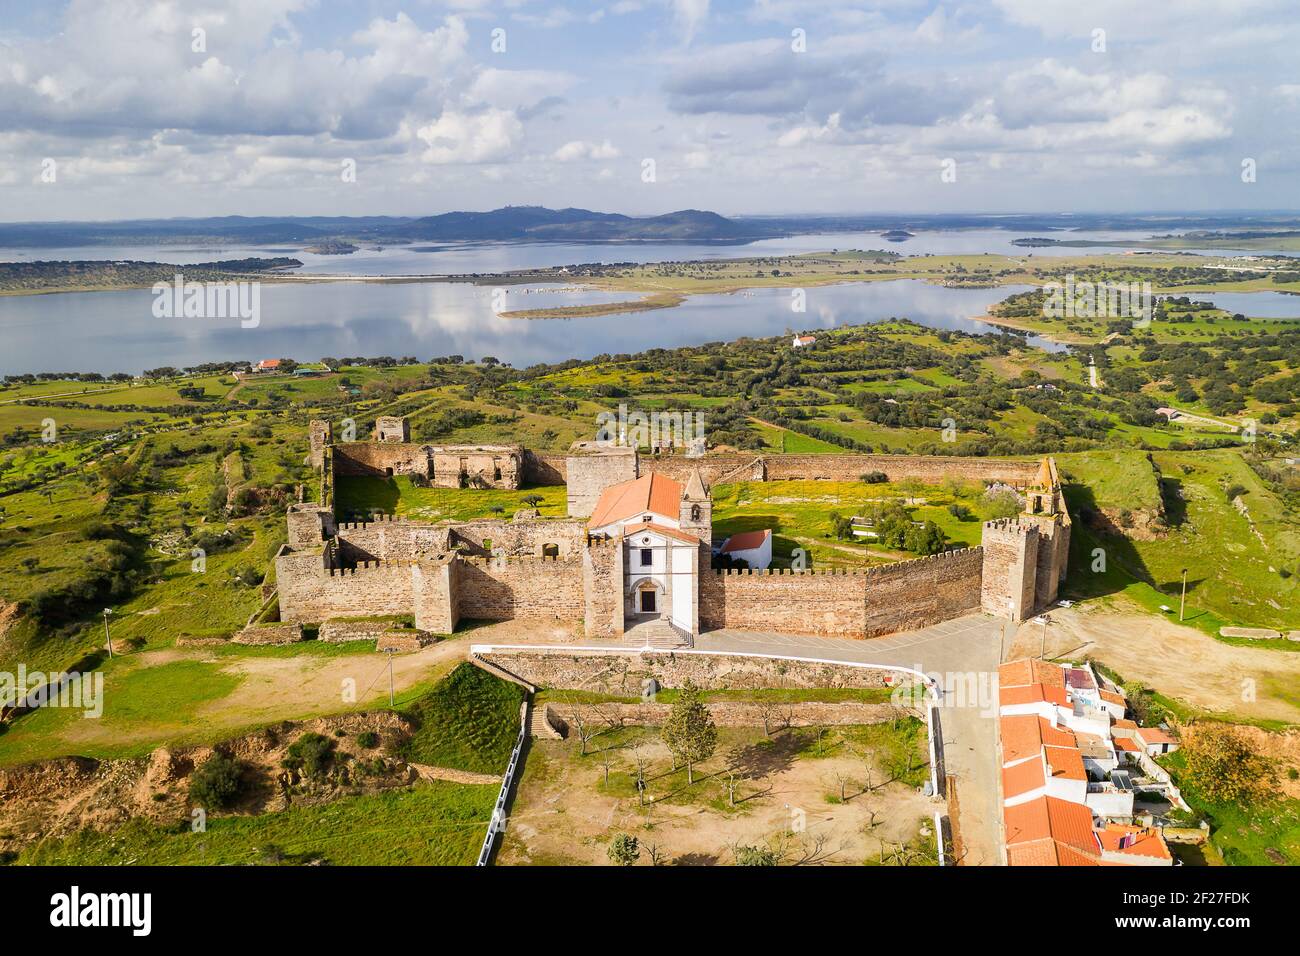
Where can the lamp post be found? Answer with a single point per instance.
(108, 637)
(1042, 648)
(1182, 603)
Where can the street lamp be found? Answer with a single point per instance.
(1182, 603)
(108, 638)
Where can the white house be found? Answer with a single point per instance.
(752, 547)
(802, 341)
(665, 529)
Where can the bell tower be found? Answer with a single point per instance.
(696, 512)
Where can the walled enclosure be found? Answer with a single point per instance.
(550, 570)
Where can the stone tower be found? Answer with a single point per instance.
(696, 512)
(1025, 557)
(392, 428)
(321, 434)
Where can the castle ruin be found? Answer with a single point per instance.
(633, 555)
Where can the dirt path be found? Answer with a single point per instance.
(1175, 660)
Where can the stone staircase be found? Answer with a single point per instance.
(539, 726)
(659, 634)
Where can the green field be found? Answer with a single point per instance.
(468, 721)
(434, 824)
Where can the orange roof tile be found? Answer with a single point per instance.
(1065, 763)
(649, 494)
(746, 541)
(1023, 735)
(1030, 671)
(1127, 743)
(1113, 698)
(1048, 853)
(1022, 778)
(1051, 818)
(1032, 694)
(1155, 735)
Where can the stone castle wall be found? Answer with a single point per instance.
(625, 676)
(865, 603)
(930, 469)
(381, 458)
(520, 588)
(530, 537)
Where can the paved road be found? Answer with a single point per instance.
(962, 655)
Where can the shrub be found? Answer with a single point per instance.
(311, 754)
(875, 478)
(755, 856)
(368, 739)
(216, 783)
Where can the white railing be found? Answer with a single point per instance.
(498, 822)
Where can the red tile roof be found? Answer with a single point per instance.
(1030, 671)
(1048, 853)
(1032, 694)
(1051, 818)
(1154, 735)
(1022, 778)
(649, 494)
(745, 541)
(1065, 763)
(1023, 735)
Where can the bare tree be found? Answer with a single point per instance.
(583, 728)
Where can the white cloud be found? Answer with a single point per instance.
(577, 150)
(487, 137)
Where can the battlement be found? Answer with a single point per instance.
(378, 519)
(522, 560)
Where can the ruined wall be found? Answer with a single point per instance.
(488, 466)
(930, 469)
(520, 588)
(309, 525)
(543, 469)
(381, 458)
(589, 472)
(625, 675)
(865, 603)
(390, 539)
(520, 537)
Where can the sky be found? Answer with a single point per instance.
(114, 109)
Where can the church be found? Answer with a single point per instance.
(664, 529)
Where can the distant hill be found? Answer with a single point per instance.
(539, 224)
(511, 223)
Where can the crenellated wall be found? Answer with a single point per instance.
(520, 588)
(860, 603)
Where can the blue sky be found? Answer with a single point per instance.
(743, 106)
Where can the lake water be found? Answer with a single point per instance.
(470, 257)
(117, 331)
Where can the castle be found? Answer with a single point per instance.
(633, 555)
